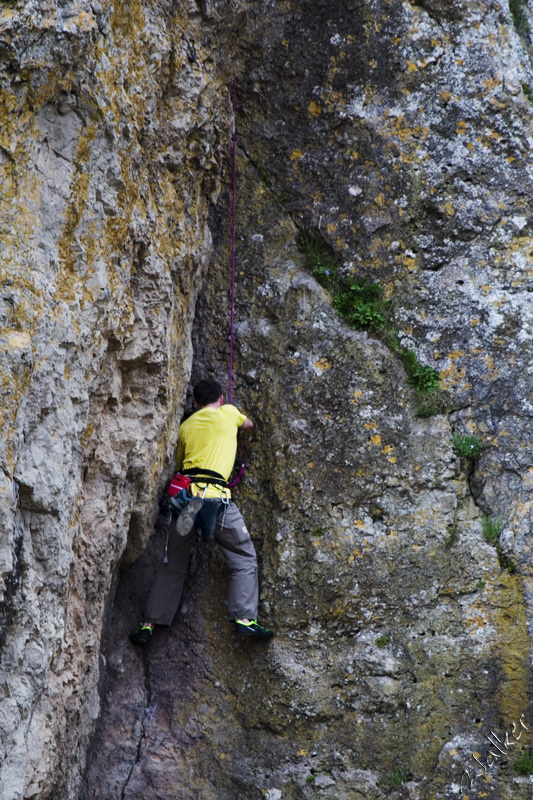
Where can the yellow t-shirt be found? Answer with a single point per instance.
(208, 440)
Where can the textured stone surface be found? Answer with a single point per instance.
(367, 528)
(109, 153)
(401, 134)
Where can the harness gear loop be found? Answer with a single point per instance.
(168, 522)
(225, 501)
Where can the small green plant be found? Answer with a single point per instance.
(283, 198)
(467, 446)
(427, 405)
(480, 584)
(397, 778)
(264, 177)
(357, 301)
(492, 527)
(526, 88)
(382, 641)
(318, 531)
(421, 377)
(316, 253)
(310, 779)
(524, 764)
(362, 305)
(518, 13)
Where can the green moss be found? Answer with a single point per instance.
(518, 13)
(283, 199)
(526, 88)
(382, 641)
(361, 305)
(524, 764)
(397, 778)
(261, 171)
(429, 403)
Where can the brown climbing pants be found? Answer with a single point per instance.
(238, 550)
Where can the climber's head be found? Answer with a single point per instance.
(207, 392)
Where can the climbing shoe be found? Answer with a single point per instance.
(253, 629)
(187, 519)
(142, 634)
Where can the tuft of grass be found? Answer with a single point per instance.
(467, 446)
(526, 88)
(382, 641)
(264, 177)
(480, 584)
(357, 301)
(317, 254)
(361, 305)
(524, 764)
(310, 779)
(492, 527)
(318, 531)
(283, 198)
(518, 13)
(430, 403)
(397, 778)
(423, 378)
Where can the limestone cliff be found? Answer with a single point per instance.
(112, 124)
(398, 136)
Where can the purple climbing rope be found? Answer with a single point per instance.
(232, 249)
(241, 468)
(243, 465)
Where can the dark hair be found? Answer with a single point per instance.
(207, 391)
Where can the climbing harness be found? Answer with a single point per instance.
(180, 496)
(208, 476)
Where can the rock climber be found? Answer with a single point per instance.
(207, 445)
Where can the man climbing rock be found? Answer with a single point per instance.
(207, 445)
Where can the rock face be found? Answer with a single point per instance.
(398, 134)
(108, 175)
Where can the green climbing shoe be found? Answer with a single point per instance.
(142, 634)
(253, 629)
